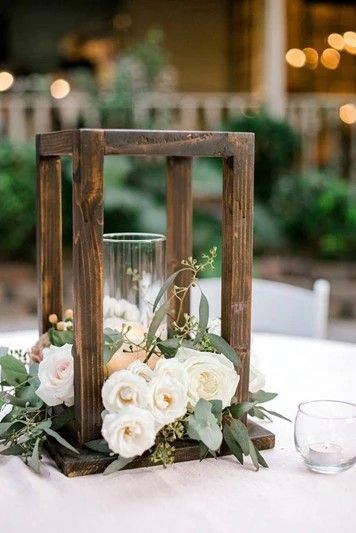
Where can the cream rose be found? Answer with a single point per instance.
(172, 368)
(211, 376)
(129, 432)
(56, 375)
(167, 399)
(141, 369)
(123, 389)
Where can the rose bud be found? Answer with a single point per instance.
(68, 314)
(53, 318)
(61, 326)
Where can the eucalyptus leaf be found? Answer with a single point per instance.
(34, 461)
(256, 412)
(28, 395)
(203, 318)
(60, 338)
(118, 464)
(234, 446)
(98, 445)
(113, 340)
(6, 426)
(238, 410)
(240, 434)
(203, 451)
(8, 398)
(202, 426)
(261, 459)
(211, 436)
(262, 396)
(13, 371)
(169, 347)
(65, 416)
(202, 410)
(224, 347)
(60, 439)
(274, 413)
(216, 409)
(45, 424)
(15, 449)
(156, 321)
(253, 454)
(165, 286)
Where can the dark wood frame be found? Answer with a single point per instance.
(88, 148)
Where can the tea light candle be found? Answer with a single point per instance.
(325, 453)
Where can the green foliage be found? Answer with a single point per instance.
(137, 71)
(203, 426)
(18, 206)
(113, 340)
(318, 213)
(163, 451)
(275, 149)
(60, 338)
(25, 429)
(224, 347)
(117, 464)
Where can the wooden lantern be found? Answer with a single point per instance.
(88, 148)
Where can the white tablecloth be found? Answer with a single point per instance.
(216, 495)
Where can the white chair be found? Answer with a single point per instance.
(276, 307)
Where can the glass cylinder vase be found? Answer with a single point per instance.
(134, 271)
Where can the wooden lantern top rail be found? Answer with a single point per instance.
(148, 142)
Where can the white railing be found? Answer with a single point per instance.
(325, 141)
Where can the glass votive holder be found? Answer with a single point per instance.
(134, 272)
(325, 435)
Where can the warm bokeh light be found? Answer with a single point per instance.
(350, 49)
(330, 58)
(60, 89)
(311, 58)
(295, 57)
(335, 40)
(347, 113)
(6, 80)
(350, 38)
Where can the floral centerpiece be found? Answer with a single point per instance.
(160, 390)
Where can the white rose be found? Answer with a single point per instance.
(141, 369)
(122, 389)
(167, 399)
(211, 376)
(129, 432)
(172, 368)
(56, 375)
(257, 380)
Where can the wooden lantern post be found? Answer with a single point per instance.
(88, 148)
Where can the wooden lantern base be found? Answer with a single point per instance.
(88, 462)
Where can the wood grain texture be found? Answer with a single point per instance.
(179, 222)
(174, 143)
(88, 462)
(237, 232)
(49, 240)
(56, 143)
(88, 159)
(88, 148)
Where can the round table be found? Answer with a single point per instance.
(216, 495)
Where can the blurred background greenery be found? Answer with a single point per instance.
(311, 214)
